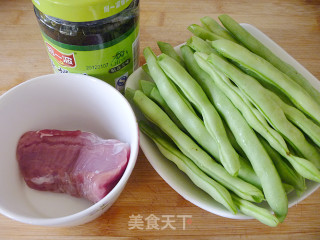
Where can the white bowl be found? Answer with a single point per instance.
(177, 179)
(64, 102)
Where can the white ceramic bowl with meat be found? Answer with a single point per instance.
(69, 143)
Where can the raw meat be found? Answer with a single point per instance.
(74, 162)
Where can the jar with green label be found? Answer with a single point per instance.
(99, 38)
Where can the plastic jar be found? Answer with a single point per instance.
(99, 38)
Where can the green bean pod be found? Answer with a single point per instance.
(212, 121)
(288, 188)
(192, 123)
(188, 147)
(200, 45)
(203, 33)
(302, 166)
(250, 209)
(146, 86)
(299, 119)
(244, 106)
(246, 172)
(199, 178)
(260, 160)
(214, 189)
(286, 173)
(260, 49)
(271, 74)
(230, 135)
(151, 90)
(270, 110)
(145, 69)
(169, 50)
(164, 85)
(213, 26)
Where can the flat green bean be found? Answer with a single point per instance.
(188, 147)
(253, 210)
(164, 85)
(193, 123)
(214, 189)
(199, 178)
(146, 86)
(230, 135)
(264, 83)
(271, 74)
(246, 172)
(169, 50)
(201, 77)
(287, 174)
(300, 120)
(212, 121)
(151, 90)
(270, 110)
(288, 188)
(259, 48)
(200, 45)
(213, 26)
(203, 33)
(189, 119)
(260, 160)
(145, 69)
(180, 107)
(302, 166)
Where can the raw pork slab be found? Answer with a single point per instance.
(74, 162)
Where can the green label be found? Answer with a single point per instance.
(112, 61)
(81, 10)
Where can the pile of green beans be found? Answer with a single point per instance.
(240, 123)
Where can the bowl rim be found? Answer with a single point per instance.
(117, 189)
